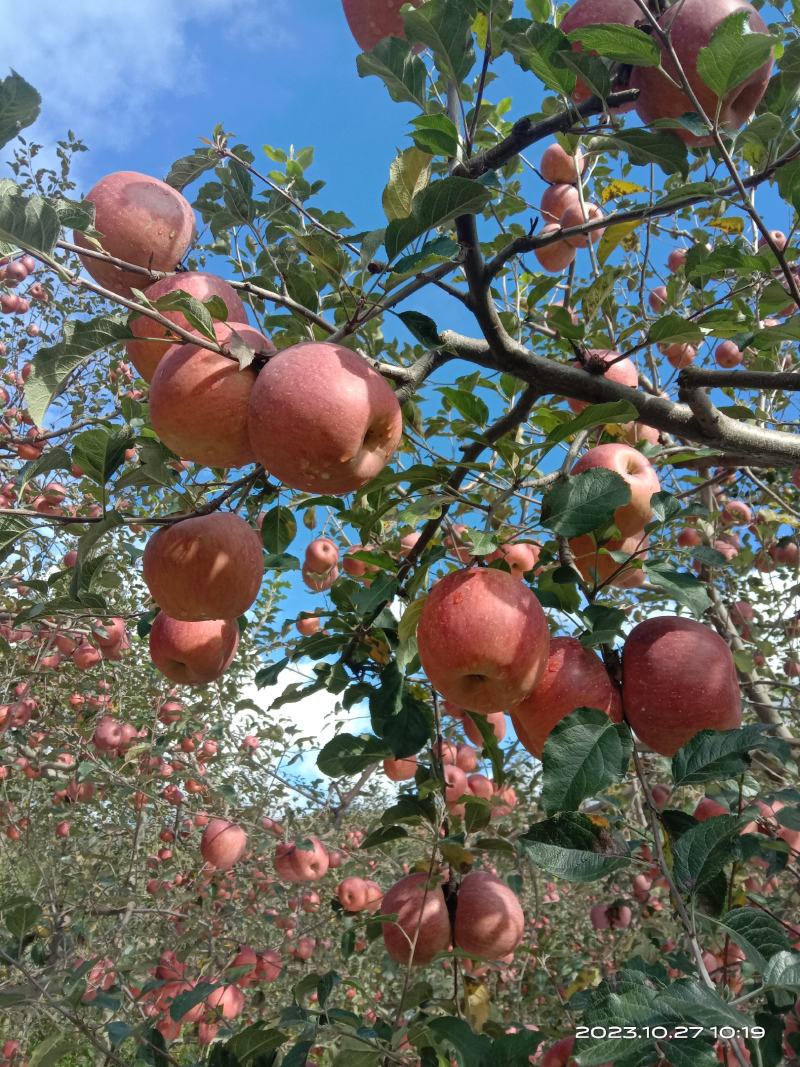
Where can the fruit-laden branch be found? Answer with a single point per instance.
(526, 132)
(520, 245)
(499, 351)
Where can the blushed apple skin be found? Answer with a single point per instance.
(372, 20)
(199, 398)
(691, 26)
(599, 568)
(483, 639)
(415, 908)
(622, 371)
(207, 567)
(322, 420)
(678, 678)
(193, 653)
(145, 355)
(223, 844)
(637, 471)
(143, 221)
(574, 677)
(489, 922)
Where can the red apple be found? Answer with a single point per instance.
(223, 844)
(559, 167)
(143, 221)
(207, 567)
(372, 20)
(691, 26)
(421, 927)
(556, 199)
(199, 398)
(574, 677)
(146, 354)
(678, 679)
(193, 653)
(608, 364)
(322, 420)
(482, 639)
(489, 920)
(556, 256)
(640, 476)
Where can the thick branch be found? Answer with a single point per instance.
(743, 379)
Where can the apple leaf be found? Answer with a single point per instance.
(538, 47)
(570, 846)
(757, 934)
(437, 204)
(51, 1051)
(623, 44)
(345, 754)
(733, 53)
(671, 329)
(456, 1035)
(403, 73)
(681, 586)
(255, 1041)
(20, 104)
(704, 850)
(585, 753)
(188, 169)
(184, 1002)
(444, 27)
(436, 134)
(278, 530)
(663, 148)
(28, 222)
(783, 972)
(52, 365)
(584, 502)
(20, 914)
(613, 411)
(100, 453)
(717, 755)
(409, 173)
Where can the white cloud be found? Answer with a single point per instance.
(316, 718)
(104, 67)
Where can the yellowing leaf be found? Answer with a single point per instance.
(731, 225)
(618, 188)
(477, 1003)
(408, 623)
(457, 855)
(480, 27)
(613, 236)
(598, 820)
(409, 173)
(585, 979)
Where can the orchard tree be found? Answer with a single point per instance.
(572, 509)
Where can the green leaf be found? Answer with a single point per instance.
(383, 835)
(403, 73)
(345, 754)
(513, 1050)
(569, 846)
(87, 549)
(732, 54)
(436, 135)
(477, 814)
(704, 850)
(20, 914)
(614, 411)
(12, 530)
(50, 1051)
(584, 754)
(255, 1041)
(398, 717)
(195, 312)
(717, 755)
(663, 148)
(444, 27)
(783, 972)
(467, 404)
(681, 586)
(421, 327)
(188, 169)
(672, 328)
(539, 47)
(606, 624)
(757, 934)
(19, 106)
(184, 1002)
(28, 222)
(584, 502)
(457, 1036)
(52, 365)
(100, 453)
(435, 205)
(409, 173)
(622, 44)
(278, 530)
